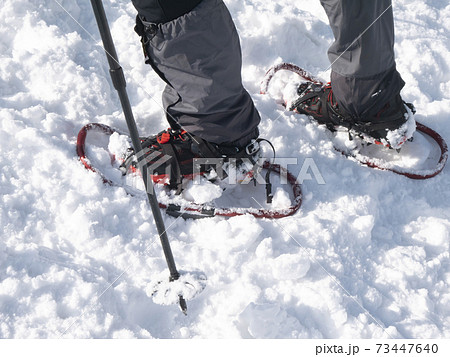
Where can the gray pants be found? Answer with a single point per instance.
(198, 54)
(364, 77)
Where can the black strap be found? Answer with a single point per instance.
(269, 194)
(303, 98)
(175, 170)
(373, 126)
(208, 150)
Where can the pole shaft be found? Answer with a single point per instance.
(119, 83)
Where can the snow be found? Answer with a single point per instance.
(367, 256)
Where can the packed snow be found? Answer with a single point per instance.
(367, 255)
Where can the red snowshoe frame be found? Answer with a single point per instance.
(194, 210)
(419, 127)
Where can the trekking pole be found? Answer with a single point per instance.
(119, 83)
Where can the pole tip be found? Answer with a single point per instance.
(183, 305)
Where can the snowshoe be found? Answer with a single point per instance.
(244, 186)
(385, 143)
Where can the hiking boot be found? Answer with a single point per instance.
(390, 126)
(173, 155)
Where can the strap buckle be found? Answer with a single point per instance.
(150, 28)
(252, 148)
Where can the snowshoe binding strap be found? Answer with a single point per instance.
(269, 194)
(250, 151)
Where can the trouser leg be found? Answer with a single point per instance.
(157, 11)
(198, 55)
(364, 77)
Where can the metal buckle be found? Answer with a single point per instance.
(150, 28)
(252, 148)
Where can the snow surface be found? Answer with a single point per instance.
(367, 256)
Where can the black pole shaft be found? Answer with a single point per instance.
(118, 80)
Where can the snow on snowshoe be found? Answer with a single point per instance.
(395, 142)
(242, 184)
